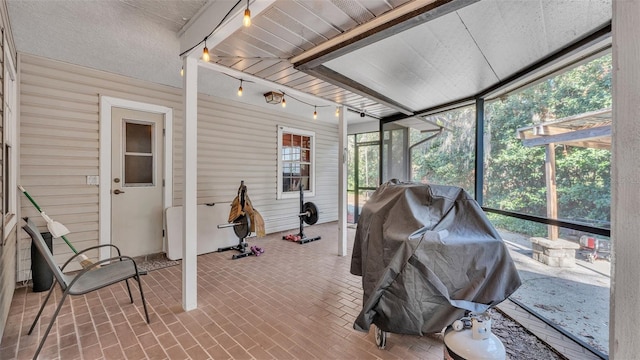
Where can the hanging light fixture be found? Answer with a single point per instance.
(315, 113)
(246, 21)
(273, 97)
(205, 52)
(240, 88)
(284, 102)
(337, 111)
(182, 71)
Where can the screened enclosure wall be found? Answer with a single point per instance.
(545, 175)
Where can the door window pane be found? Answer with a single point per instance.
(138, 156)
(138, 138)
(138, 169)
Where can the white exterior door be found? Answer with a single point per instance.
(136, 181)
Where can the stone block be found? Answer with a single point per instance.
(556, 253)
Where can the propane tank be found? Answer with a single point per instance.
(470, 338)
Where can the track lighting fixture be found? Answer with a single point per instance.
(240, 88)
(246, 21)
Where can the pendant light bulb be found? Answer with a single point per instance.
(182, 71)
(315, 113)
(337, 111)
(240, 89)
(246, 21)
(283, 102)
(205, 54)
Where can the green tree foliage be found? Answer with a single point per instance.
(368, 148)
(514, 174)
(449, 157)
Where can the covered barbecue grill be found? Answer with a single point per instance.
(427, 253)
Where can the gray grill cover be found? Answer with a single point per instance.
(427, 253)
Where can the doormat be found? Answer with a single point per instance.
(154, 262)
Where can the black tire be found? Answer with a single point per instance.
(381, 338)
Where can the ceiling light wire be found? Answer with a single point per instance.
(214, 29)
(315, 107)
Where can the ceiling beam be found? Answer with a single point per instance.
(456, 104)
(393, 22)
(267, 83)
(335, 78)
(197, 29)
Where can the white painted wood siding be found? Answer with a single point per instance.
(59, 114)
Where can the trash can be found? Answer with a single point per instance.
(40, 273)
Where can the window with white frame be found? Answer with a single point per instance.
(296, 162)
(10, 170)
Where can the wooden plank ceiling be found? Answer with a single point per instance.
(426, 60)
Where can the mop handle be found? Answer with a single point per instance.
(30, 198)
(40, 211)
(68, 243)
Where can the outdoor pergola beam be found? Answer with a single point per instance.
(573, 136)
(545, 130)
(602, 145)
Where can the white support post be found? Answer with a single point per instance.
(190, 173)
(625, 196)
(342, 184)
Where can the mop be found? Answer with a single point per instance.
(57, 230)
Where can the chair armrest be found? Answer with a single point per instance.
(89, 249)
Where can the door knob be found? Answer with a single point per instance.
(118, 191)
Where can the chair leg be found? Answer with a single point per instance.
(33, 325)
(129, 290)
(53, 319)
(144, 302)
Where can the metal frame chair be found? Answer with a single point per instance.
(97, 276)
